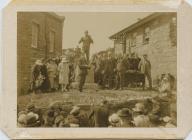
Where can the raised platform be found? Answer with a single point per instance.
(89, 83)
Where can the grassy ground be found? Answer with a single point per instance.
(88, 96)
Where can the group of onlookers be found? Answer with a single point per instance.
(58, 73)
(158, 111)
(51, 75)
(110, 70)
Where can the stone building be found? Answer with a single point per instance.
(154, 35)
(39, 35)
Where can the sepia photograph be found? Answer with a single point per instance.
(97, 69)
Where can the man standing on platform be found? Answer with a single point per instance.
(83, 71)
(86, 40)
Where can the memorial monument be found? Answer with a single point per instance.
(89, 78)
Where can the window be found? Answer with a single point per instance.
(51, 41)
(127, 42)
(118, 47)
(174, 21)
(127, 45)
(146, 35)
(173, 31)
(133, 40)
(35, 35)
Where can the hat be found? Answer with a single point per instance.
(58, 119)
(154, 118)
(114, 118)
(141, 121)
(125, 112)
(33, 114)
(167, 119)
(139, 107)
(22, 112)
(30, 107)
(55, 105)
(50, 113)
(38, 62)
(64, 60)
(75, 110)
(31, 118)
(73, 120)
(144, 54)
(22, 118)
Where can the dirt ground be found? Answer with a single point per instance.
(87, 97)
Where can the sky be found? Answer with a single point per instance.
(100, 26)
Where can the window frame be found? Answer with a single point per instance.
(146, 35)
(133, 39)
(54, 32)
(35, 24)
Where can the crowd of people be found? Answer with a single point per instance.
(55, 74)
(112, 71)
(45, 76)
(158, 111)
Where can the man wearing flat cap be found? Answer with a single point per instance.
(126, 117)
(86, 40)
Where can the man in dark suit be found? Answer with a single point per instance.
(109, 68)
(135, 61)
(83, 70)
(102, 67)
(100, 115)
(145, 68)
(98, 75)
(121, 70)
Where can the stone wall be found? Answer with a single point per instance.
(162, 46)
(161, 52)
(26, 54)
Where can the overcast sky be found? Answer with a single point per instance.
(100, 26)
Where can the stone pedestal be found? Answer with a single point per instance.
(89, 83)
(90, 76)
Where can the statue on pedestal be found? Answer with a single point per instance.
(84, 73)
(87, 41)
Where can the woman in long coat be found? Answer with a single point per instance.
(63, 69)
(38, 77)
